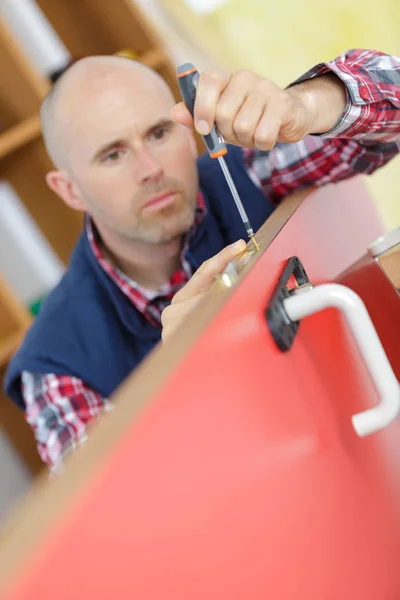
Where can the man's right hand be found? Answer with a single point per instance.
(188, 297)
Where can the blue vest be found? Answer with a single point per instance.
(89, 329)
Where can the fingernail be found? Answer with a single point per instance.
(202, 127)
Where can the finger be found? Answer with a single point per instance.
(209, 88)
(173, 315)
(247, 119)
(204, 276)
(267, 130)
(180, 114)
(230, 103)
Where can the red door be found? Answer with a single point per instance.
(244, 478)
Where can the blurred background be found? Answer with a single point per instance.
(39, 39)
(282, 40)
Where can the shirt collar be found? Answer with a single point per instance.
(123, 280)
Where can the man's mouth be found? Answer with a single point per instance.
(160, 200)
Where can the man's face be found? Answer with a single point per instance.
(134, 167)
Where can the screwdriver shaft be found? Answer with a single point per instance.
(236, 196)
(188, 77)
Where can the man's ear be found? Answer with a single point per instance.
(61, 183)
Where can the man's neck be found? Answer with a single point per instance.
(149, 265)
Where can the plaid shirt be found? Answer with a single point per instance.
(366, 137)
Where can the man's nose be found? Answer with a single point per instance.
(147, 167)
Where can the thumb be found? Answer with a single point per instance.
(205, 275)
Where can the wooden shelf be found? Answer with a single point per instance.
(10, 345)
(22, 86)
(13, 314)
(14, 138)
(12, 421)
(154, 58)
(25, 170)
(100, 26)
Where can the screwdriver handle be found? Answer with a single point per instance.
(188, 76)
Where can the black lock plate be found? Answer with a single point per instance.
(282, 329)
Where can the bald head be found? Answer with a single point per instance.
(108, 128)
(83, 83)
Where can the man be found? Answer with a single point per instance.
(156, 219)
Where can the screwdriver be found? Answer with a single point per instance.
(188, 76)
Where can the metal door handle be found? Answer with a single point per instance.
(309, 301)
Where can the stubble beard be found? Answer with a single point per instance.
(165, 225)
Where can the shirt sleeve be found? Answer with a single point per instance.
(366, 136)
(59, 409)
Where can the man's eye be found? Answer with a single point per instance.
(113, 156)
(158, 134)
